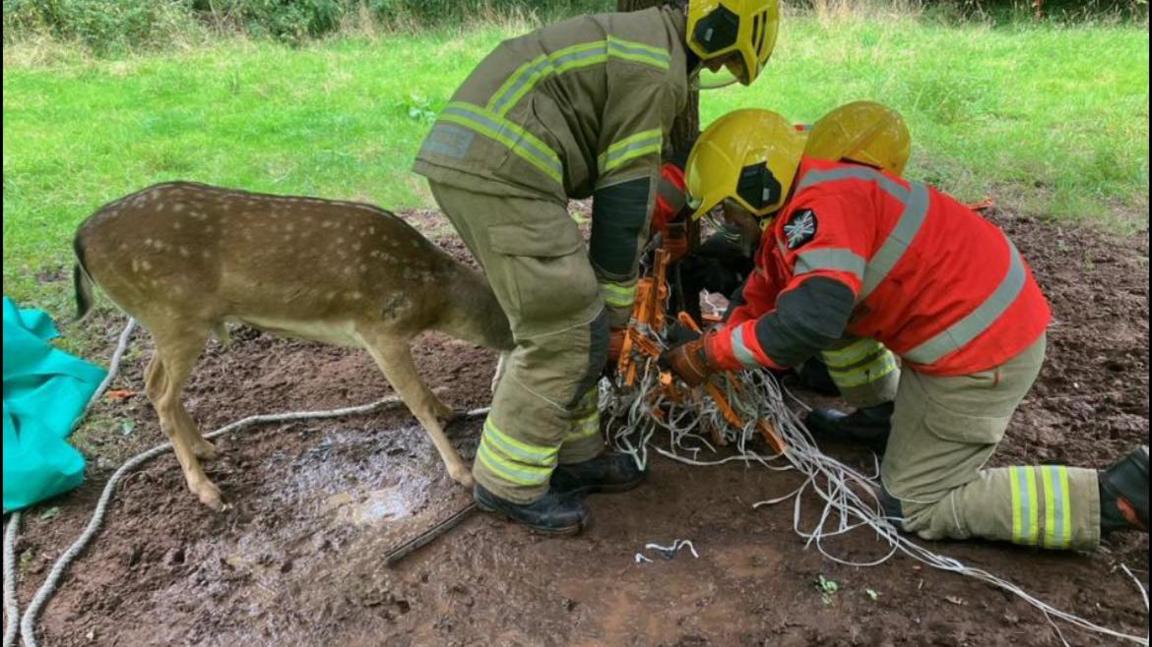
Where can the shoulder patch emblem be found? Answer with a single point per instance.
(800, 228)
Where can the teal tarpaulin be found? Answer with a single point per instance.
(45, 391)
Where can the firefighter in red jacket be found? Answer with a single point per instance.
(855, 253)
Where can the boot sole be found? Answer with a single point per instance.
(540, 530)
(615, 488)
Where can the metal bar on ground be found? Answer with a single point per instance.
(426, 537)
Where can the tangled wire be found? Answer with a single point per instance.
(633, 418)
(849, 498)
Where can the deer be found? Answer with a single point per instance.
(187, 259)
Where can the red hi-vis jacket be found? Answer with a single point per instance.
(670, 197)
(861, 252)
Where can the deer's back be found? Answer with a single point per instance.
(219, 254)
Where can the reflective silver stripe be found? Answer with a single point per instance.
(1058, 534)
(915, 200)
(522, 142)
(1025, 522)
(979, 320)
(527, 76)
(829, 258)
(642, 143)
(570, 58)
(898, 240)
(639, 52)
(741, 350)
(854, 173)
(672, 194)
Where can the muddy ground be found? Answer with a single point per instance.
(298, 560)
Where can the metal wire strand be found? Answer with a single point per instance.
(849, 499)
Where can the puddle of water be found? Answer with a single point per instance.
(391, 503)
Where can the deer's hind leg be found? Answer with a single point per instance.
(394, 357)
(177, 349)
(154, 378)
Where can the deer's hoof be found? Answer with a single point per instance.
(446, 414)
(463, 476)
(210, 496)
(205, 451)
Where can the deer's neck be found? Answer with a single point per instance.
(473, 313)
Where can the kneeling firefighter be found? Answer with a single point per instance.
(862, 371)
(856, 252)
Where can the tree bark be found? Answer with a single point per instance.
(687, 126)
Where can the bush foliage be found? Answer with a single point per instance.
(109, 26)
(117, 25)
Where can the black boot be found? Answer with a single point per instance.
(1124, 493)
(553, 514)
(814, 376)
(608, 472)
(867, 425)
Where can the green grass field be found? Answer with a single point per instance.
(1052, 120)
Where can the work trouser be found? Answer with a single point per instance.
(944, 429)
(546, 408)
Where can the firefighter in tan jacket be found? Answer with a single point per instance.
(576, 109)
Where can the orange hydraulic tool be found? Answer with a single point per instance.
(767, 429)
(645, 326)
(647, 317)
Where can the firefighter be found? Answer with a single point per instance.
(862, 371)
(854, 251)
(576, 109)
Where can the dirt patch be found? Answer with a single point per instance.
(317, 504)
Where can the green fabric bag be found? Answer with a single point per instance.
(45, 391)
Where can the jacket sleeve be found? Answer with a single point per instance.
(824, 244)
(638, 118)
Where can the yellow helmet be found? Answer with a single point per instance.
(749, 156)
(721, 27)
(862, 131)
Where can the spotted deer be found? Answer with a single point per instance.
(185, 259)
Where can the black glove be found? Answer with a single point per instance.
(679, 334)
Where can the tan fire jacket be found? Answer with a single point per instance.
(575, 109)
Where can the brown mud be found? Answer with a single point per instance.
(298, 559)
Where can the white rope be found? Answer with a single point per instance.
(113, 366)
(1139, 586)
(11, 604)
(48, 588)
(850, 498)
(27, 624)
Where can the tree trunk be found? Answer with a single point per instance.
(687, 126)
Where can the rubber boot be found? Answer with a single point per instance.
(608, 472)
(552, 514)
(867, 425)
(1124, 494)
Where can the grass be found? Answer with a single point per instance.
(1052, 120)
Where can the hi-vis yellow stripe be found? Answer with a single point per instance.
(495, 127)
(1056, 497)
(569, 58)
(514, 460)
(865, 374)
(1025, 513)
(618, 295)
(647, 142)
(585, 427)
(856, 351)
